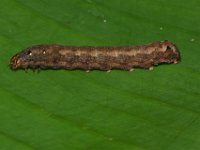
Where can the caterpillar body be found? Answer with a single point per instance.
(95, 57)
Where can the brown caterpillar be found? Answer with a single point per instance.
(96, 57)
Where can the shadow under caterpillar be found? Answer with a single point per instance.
(96, 57)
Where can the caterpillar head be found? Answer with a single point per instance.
(32, 57)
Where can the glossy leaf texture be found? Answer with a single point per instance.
(139, 110)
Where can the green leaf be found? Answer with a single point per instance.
(60, 109)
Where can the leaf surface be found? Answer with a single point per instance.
(140, 110)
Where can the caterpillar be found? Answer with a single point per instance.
(106, 58)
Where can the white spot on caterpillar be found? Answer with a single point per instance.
(161, 28)
(108, 71)
(18, 61)
(151, 68)
(104, 20)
